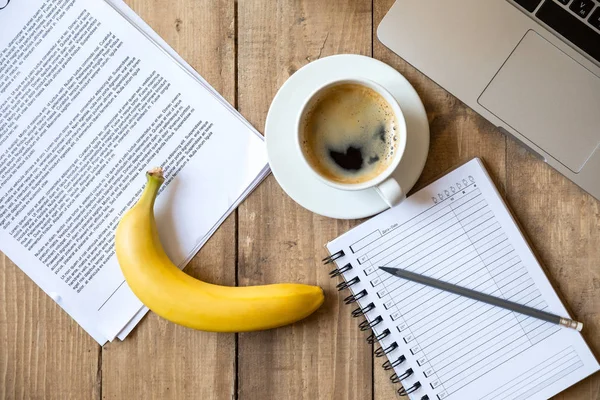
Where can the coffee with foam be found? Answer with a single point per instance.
(349, 134)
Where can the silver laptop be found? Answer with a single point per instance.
(531, 67)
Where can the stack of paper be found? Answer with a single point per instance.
(90, 98)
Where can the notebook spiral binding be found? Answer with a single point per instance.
(338, 271)
(333, 257)
(355, 297)
(375, 338)
(369, 324)
(357, 312)
(404, 392)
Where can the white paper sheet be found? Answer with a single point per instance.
(87, 104)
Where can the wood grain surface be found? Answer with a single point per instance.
(325, 356)
(247, 49)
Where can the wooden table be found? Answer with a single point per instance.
(247, 49)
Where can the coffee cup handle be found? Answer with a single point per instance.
(391, 192)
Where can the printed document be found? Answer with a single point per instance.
(88, 103)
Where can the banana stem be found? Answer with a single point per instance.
(155, 180)
(156, 172)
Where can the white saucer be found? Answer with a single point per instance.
(294, 176)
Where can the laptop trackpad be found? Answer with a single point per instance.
(549, 98)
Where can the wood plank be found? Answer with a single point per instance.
(45, 354)
(325, 356)
(161, 360)
(562, 223)
(457, 135)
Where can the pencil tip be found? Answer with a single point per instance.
(387, 269)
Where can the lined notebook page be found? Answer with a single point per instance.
(459, 230)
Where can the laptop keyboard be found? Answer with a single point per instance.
(578, 21)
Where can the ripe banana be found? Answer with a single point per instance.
(182, 299)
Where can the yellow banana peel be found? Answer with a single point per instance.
(184, 300)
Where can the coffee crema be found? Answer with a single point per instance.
(349, 134)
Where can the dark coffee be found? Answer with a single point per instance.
(349, 134)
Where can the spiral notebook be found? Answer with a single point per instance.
(442, 346)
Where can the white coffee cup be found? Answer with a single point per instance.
(384, 183)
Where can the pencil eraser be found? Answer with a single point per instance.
(579, 327)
